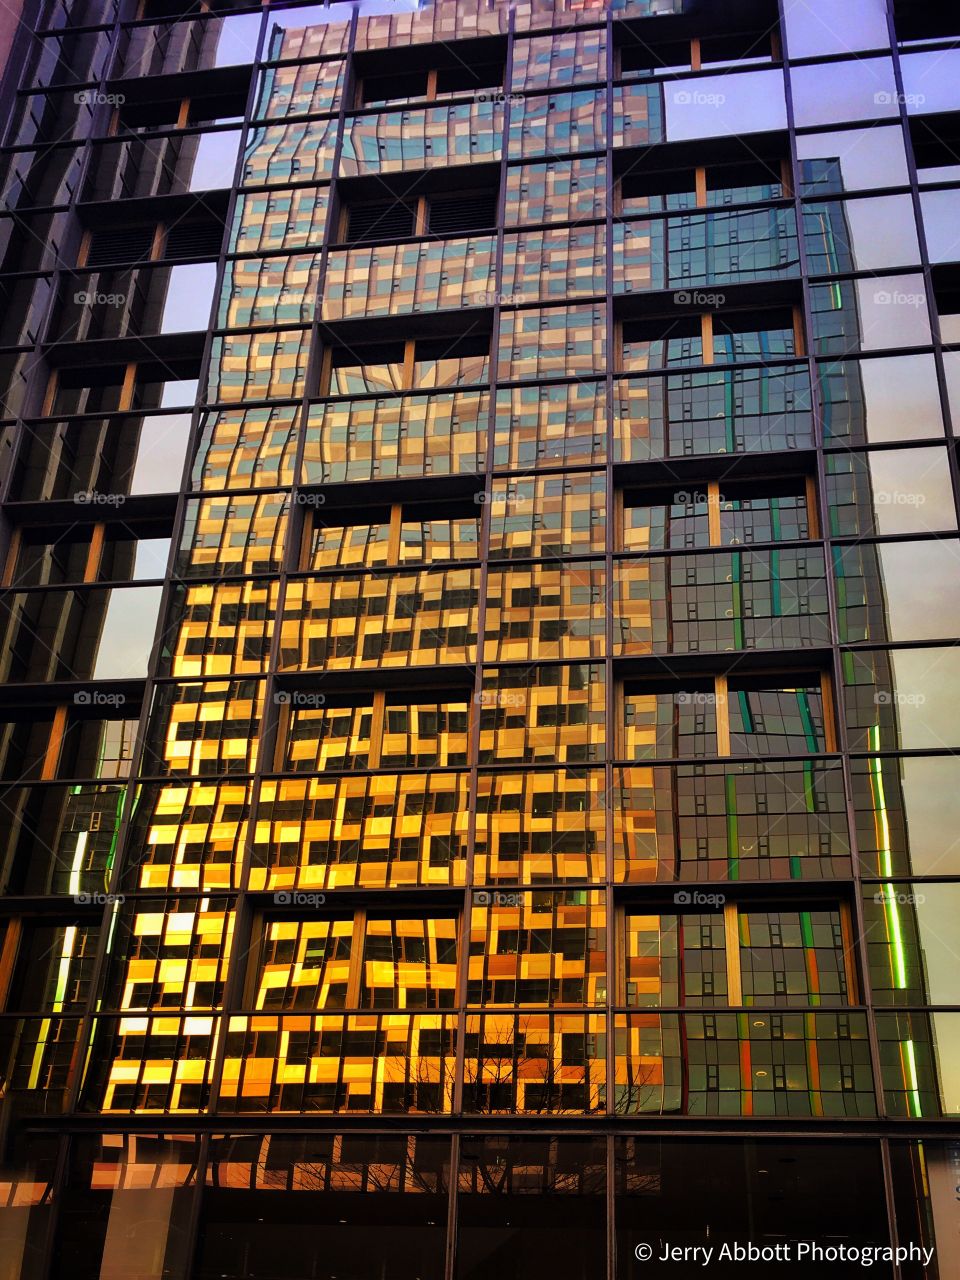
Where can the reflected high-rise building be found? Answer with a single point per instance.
(480, 615)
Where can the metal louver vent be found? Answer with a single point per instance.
(386, 220)
(476, 211)
(197, 239)
(119, 244)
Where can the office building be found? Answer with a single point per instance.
(479, 635)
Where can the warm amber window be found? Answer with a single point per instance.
(363, 962)
(304, 964)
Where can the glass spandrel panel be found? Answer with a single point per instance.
(902, 699)
(889, 491)
(930, 81)
(852, 160)
(861, 89)
(899, 590)
(880, 400)
(908, 814)
(858, 24)
(736, 103)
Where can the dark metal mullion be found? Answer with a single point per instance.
(933, 313)
(611, 540)
(483, 586)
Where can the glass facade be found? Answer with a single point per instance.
(480, 611)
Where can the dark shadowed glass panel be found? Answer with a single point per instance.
(350, 1206)
(700, 1193)
(531, 1208)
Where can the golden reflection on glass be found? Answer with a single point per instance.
(550, 610)
(396, 279)
(386, 620)
(294, 218)
(437, 435)
(206, 728)
(376, 832)
(534, 950)
(380, 1063)
(221, 629)
(171, 954)
(547, 825)
(190, 836)
(258, 366)
(535, 1063)
(547, 516)
(542, 714)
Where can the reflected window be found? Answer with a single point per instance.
(674, 960)
(321, 733)
(279, 1204)
(851, 160)
(535, 1204)
(791, 958)
(769, 717)
(427, 363)
(890, 491)
(126, 1206)
(542, 714)
(403, 533)
(533, 950)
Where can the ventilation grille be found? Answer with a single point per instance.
(112, 245)
(387, 220)
(474, 211)
(198, 239)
